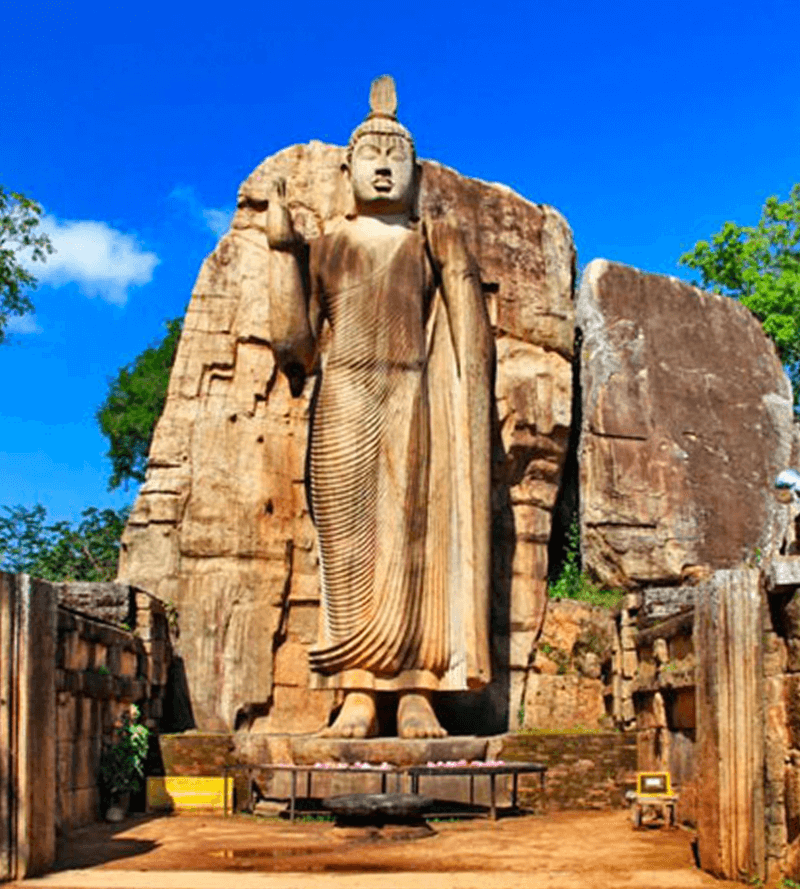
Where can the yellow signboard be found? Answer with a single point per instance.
(653, 784)
(186, 793)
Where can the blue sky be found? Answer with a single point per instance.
(647, 124)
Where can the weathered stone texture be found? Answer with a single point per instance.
(196, 754)
(562, 702)
(100, 670)
(221, 526)
(66, 678)
(112, 602)
(564, 688)
(687, 418)
(656, 695)
(584, 771)
(732, 819)
(661, 603)
(27, 719)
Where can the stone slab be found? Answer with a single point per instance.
(196, 753)
(397, 751)
(106, 600)
(379, 807)
(782, 573)
(660, 603)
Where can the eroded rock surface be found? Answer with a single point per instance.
(687, 418)
(221, 526)
(566, 687)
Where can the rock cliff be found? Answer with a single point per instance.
(686, 420)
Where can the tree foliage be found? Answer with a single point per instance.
(760, 266)
(133, 405)
(88, 550)
(19, 221)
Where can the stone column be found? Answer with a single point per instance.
(730, 724)
(27, 726)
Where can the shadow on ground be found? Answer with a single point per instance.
(99, 844)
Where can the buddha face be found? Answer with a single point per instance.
(382, 174)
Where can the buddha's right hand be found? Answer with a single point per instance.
(277, 191)
(280, 230)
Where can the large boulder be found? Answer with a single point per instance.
(686, 420)
(221, 526)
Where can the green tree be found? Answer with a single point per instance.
(88, 550)
(133, 405)
(19, 221)
(760, 266)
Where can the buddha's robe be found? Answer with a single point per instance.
(399, 460)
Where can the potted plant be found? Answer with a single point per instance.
(122, 763)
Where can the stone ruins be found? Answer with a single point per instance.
(405, 354)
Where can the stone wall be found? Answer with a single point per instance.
(102, 669)
(585, 770)
(567, 685)
(221, 526)
(663, 699)
(70, 674)
(781, 634)
(664, 693)
(772, 713)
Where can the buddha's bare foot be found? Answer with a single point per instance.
(356, 719)
(415, 717)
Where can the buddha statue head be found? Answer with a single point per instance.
(381, 161)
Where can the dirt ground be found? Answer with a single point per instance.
(565, 850)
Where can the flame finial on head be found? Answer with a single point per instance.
(383, 97)
(382, 118)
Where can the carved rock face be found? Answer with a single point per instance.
(221, 527)
(687, 419)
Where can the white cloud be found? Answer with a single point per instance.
(102, 261)
(22, 324)
(217, 221)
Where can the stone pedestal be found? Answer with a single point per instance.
(396, 751)
(261, 750)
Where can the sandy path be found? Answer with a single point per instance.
(565, 850)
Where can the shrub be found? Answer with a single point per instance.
(573, 583)
(122, 764)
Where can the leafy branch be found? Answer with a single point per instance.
(88, 550)
(133, 405)
(19, 221)
(760, 266)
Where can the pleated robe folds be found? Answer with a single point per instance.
(400, 461)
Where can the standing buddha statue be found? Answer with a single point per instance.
(399, 451)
